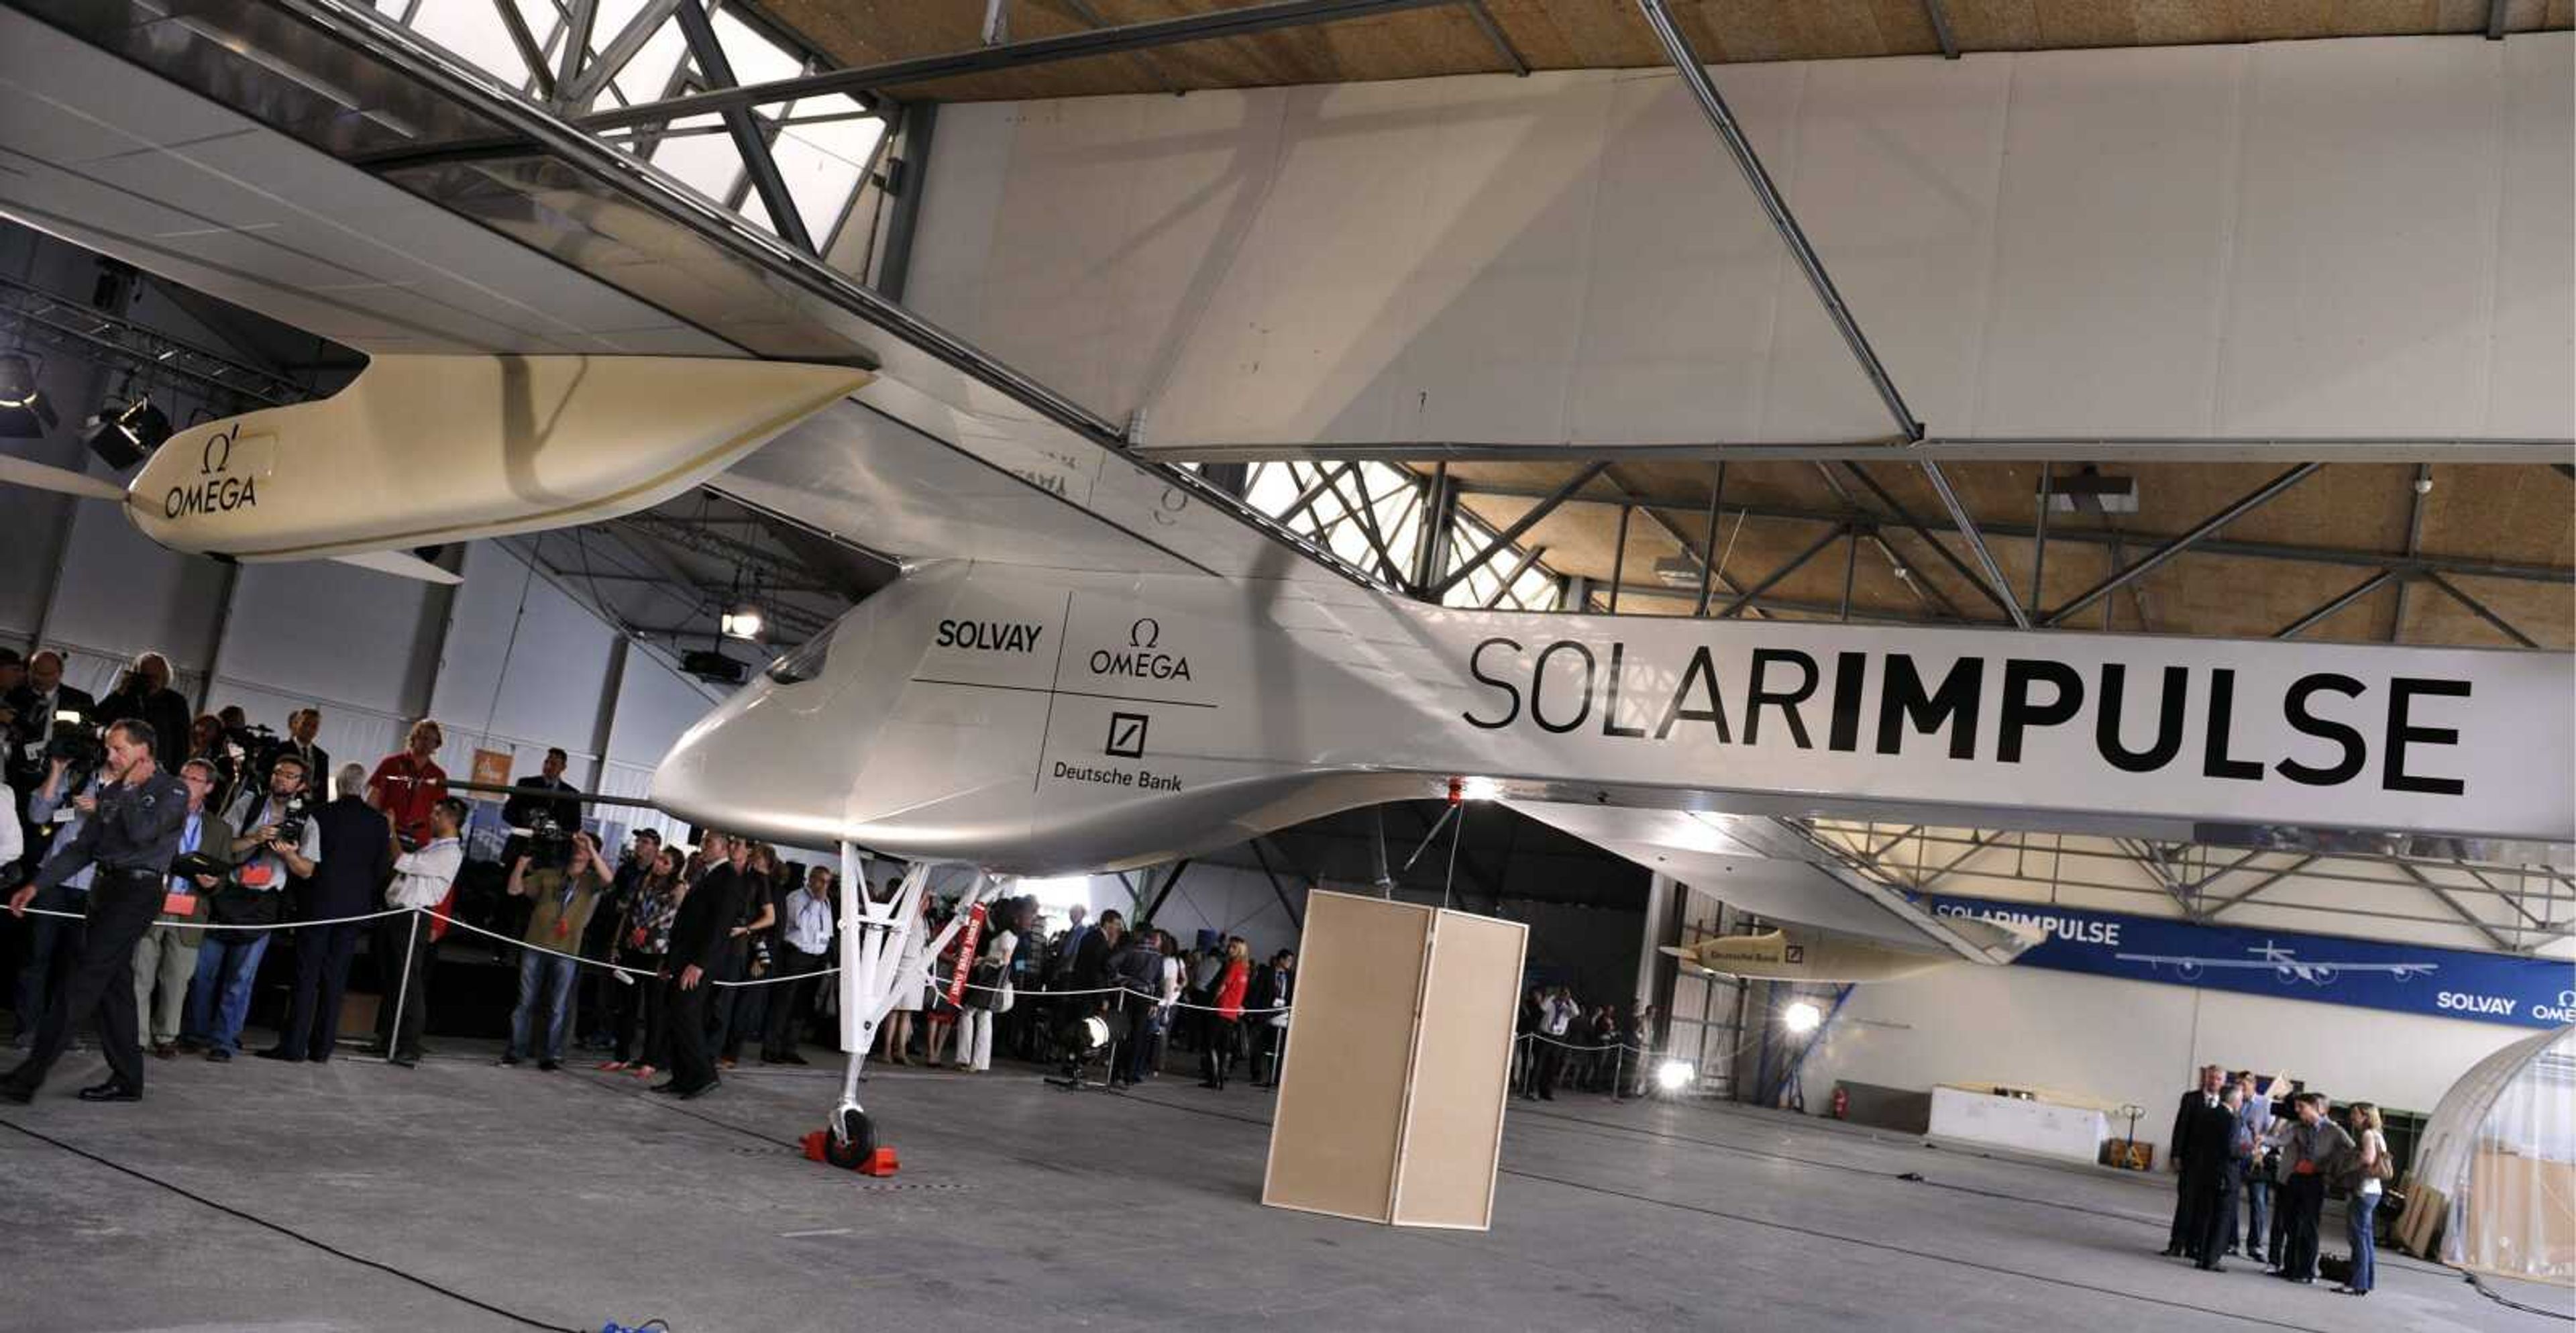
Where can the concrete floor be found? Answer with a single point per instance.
(255, 1195)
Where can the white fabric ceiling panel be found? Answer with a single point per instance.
(2335, 238)
(2358, 283)
(2112, 244)
(2534, 268)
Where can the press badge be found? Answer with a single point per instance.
(179, 904)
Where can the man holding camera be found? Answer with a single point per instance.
(127, 842)
(357, 859)
(279, 839)
(405, 946)
(563, 875)
(145, 694)
(166, 959)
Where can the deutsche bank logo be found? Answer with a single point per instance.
(1126, 735)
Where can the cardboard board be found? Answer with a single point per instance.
(1392, 1093)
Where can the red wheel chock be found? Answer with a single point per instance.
(819, 1147)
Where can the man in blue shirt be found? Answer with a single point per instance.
(167, 957)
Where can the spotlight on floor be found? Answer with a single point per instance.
(743, 622)
(1802, 1018)
(1673, 1075)
(125, 433)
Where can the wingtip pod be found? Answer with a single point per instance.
(420, 450)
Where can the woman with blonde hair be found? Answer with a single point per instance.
(2371, 1166)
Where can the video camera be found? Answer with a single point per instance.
(549, 844)
(250, 748)
(80, 743)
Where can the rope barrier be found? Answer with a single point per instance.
(1613, 1046)
(209, 925)
(929, 977)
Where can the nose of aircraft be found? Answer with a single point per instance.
(761, 763)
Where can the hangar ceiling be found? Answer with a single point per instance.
(1508, 36)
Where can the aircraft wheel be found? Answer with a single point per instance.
(857, 1137)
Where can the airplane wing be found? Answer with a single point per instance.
(381, 195)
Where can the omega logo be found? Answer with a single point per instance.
(1141, 661)
(216, 491)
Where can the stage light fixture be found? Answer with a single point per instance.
(123, 434)
(1673, 1075)
(24, 412)
(1801, 1017)
(743, 622)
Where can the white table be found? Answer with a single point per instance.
(2046, 1129)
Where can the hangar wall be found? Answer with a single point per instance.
(2133, 1042)
(2295, 238)
(506, 661)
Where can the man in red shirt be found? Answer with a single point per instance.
(407, 786)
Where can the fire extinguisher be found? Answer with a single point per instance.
(1842, 1103)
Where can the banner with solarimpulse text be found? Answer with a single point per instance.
(2404, 978)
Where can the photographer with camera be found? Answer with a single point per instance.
(563, 873)
(278, 839)
(405, 945)
(74, 755)
(166, 959)
(127, 842)
(144, 694)
(33, 705)
(357, 861)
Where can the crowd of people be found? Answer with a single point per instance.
(2232, 1141)
(1561, 1043)
(151, 859)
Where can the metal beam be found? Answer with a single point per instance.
(1708, 541)
(1503, 540)
(595, 77)
(2266, 882)
(1880, 448)
(1242, 21)
(1502, 590)
(578, 19)
(2155, 559)
(2472, 918)
(1285, 903)
(1967, 524)
(2000, 597)
(530, 54)
(1619, 554)
(2483, 612)
(2341, 600)
(2320, 555)
(2422, 486)
(748, 141)
(1162, 893)
(1794, 563)
(1144, 60)
(1494, 34)
(2495, 19)
(1941, 29)
(1703, 90)
(1366, 512)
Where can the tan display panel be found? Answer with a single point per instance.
(1392, 1092)
(1334, 1135)
(1462, 1066)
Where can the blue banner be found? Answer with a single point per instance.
(2405, 978)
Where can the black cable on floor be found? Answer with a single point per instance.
(289, 1232)
(2510, 1303)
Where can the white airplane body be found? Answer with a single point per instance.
(1089, 661)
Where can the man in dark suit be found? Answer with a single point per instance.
(357, 860)
(301, 727)
(2178, 1150)
(33, 705)
(698, 934)
(2211, 1172)
(144, 693)
(546, 791)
